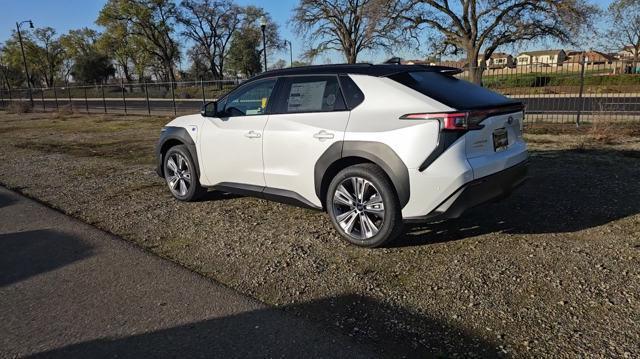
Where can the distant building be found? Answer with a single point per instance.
(417, 62)
(454, 63)
(497, 60)
(590, 57)
(545, 57)
(627, 52)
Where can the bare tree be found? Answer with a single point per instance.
(211, 25)
(348, 26)
(625, 26)
(477, 27)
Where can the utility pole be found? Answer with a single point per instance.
(263, 26)
(24, 58)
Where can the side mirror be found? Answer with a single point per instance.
(210, 109)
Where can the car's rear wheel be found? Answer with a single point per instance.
(180, 174)
(363, 206)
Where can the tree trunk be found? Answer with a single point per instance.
(475, 69)
(351, 55)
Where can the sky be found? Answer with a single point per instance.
(64, 15)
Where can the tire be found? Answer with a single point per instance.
(180, 174)
(364, 222)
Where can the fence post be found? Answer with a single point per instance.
(104, 101)
(204, 98)
(173, 96)
(44, 109)
(2, 96)
(55, 96)
(10, 96)
(86, 102)
(580, 101)
(146, 94)
(124, 99)
(69, 94)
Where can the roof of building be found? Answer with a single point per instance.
(574, 56)
(362, 69)
(541, 52)
(496, 55)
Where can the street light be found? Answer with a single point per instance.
(263, 26)
(24, 58)
(290, 51)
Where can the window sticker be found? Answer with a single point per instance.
(331, 99)
(306, 96)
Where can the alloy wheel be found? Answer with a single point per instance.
(178, 174)
(358, 208)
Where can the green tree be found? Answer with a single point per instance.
(12, 59)
(79, 41)
(152, 22)
(92, 68)
(49, 54)
(244, 58)
(246, 49)
(280, 64)
(11, 76)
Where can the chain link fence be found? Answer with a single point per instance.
(566, 93)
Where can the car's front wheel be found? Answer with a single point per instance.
(363, 206)
(180, 174)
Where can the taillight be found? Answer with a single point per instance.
(458, 121)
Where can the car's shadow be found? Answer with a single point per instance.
(371, 323)
(567, 191)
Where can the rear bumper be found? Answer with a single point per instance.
(493, 187)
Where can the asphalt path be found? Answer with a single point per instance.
(69, 290)
(611, 104)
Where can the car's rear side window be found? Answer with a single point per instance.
(352, 94)
(310, 94)
(453, 92)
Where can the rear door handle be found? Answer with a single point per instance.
(323, 135)
(253, 134)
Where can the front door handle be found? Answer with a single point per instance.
(253, 134)
(323, 135)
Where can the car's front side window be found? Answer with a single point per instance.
(249, 101)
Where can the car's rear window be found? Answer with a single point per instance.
(453, 92)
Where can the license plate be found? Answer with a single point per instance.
(500, 139)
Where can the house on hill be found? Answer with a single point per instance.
(546, 57)
(497, 60)
(627, 52)
(590, 57)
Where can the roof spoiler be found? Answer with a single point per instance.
(444, 69)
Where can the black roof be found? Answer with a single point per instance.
(360, 69)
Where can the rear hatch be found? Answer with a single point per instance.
(497, 142)
(490, 122)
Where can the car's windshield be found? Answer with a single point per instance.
(453, 92)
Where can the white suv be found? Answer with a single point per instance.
(372, 145)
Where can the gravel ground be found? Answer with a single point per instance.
(551, 271)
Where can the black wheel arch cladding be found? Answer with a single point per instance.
(175, 134)
(376, 152)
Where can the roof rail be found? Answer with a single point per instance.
(394, 60)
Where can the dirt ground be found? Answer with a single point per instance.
(554, 270)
